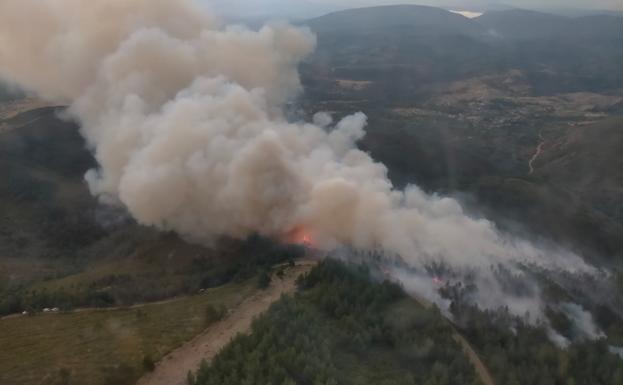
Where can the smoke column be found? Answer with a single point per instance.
(184, 118)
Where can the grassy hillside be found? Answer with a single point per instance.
(106, 347)
(522, 24)
(142, 266)
(573, 193)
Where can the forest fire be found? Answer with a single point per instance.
(300, 236)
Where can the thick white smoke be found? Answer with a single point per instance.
(184, 118)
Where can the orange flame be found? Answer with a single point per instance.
(300, 236)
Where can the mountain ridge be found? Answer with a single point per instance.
(436, 20)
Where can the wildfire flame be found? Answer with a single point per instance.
(300, 236)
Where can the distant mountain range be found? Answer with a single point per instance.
(255, 10)
(423, 18)
(511, 24)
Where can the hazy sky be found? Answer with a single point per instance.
(310, 8)
(592, 4)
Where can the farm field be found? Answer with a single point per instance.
(105, 347)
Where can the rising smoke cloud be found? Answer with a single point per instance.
(184, 118)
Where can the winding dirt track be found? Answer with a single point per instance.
(479, 366)
(473, 357)
(539, 151)
(173, 368)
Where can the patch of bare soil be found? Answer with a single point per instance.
(173, 368)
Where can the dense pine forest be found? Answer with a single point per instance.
(342, 328)
(516, 353)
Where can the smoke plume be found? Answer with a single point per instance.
(184, 118)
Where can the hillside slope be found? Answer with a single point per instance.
(60, 248)
(427, 20)
(523, 24)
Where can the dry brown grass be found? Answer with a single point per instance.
(93, 346)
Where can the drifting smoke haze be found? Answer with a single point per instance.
(184, 118)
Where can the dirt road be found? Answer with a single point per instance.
(173, 368)
(473, 357)
(539, 151)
